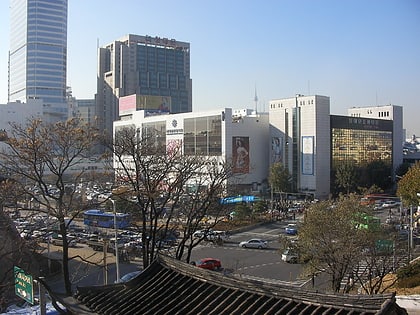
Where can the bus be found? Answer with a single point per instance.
(238, 199)
(368, 222)
(99, 218)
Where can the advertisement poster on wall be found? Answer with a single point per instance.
(276, 150)
(240, 154)
(307, 155)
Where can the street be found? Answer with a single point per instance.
(248, 263)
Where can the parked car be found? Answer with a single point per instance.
(58, 240)
(213, 236)
(291, 229)
(254, 243)
(208, 263)
(128, 276)
(290, 256)
(200, 233)
(391, 204)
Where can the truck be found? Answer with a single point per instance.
(98, 244)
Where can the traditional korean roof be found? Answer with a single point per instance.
(169, 286)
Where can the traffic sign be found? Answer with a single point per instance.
(23, 285)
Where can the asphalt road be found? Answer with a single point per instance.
(263, 264)
(253, 263)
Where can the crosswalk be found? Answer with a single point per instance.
(366, 270)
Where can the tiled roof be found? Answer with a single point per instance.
(170, 286)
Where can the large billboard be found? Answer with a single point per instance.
(127, 104)
(152, 104)
(240, 154)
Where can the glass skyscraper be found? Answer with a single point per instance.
(38, 54)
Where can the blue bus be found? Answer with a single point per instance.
(99, 218)
(238, 199)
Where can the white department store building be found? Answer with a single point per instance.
(240, 136)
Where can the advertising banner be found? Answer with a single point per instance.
(240, 154)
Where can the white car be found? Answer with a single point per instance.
(254, 243)
(200, 233)
(289, 256)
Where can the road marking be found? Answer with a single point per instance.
(261, 265)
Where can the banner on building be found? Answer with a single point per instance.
(240, 154)
(308, 155)
(276, 150)
(151, 104)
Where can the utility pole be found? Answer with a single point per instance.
(105, 249)
(117, 259)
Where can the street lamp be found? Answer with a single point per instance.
(117, 259)
(410, 240)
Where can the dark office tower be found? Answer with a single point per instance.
(150, 67)
(38, 54)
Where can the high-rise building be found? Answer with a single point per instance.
(38, 54)
(300, 140)
(149, 67)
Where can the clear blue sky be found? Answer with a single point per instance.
(357, 52)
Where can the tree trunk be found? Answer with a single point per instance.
(66, 272)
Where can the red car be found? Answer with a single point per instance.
(209, 263)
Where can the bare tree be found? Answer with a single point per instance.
(169, 191)
(372, 270)
(202, 202)
(39, 158)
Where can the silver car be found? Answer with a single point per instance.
(254, 243)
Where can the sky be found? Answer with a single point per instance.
(358, 52)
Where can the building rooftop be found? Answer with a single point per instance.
(169, 286)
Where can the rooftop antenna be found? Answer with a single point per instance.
(256, 99)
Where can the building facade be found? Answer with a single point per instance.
(298, 132)
(18, 113)
(300, 140)
(218, 133)
(146, 66)
(362, 143)
(38, 55)
(86, 110)
(386, 112)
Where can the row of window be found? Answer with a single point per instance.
(301, 103)
(155, 80)
(43, 47)
(36, 18)
(361, 146)
(383, 114)
(46, 38)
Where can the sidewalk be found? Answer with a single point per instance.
(410, 302)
